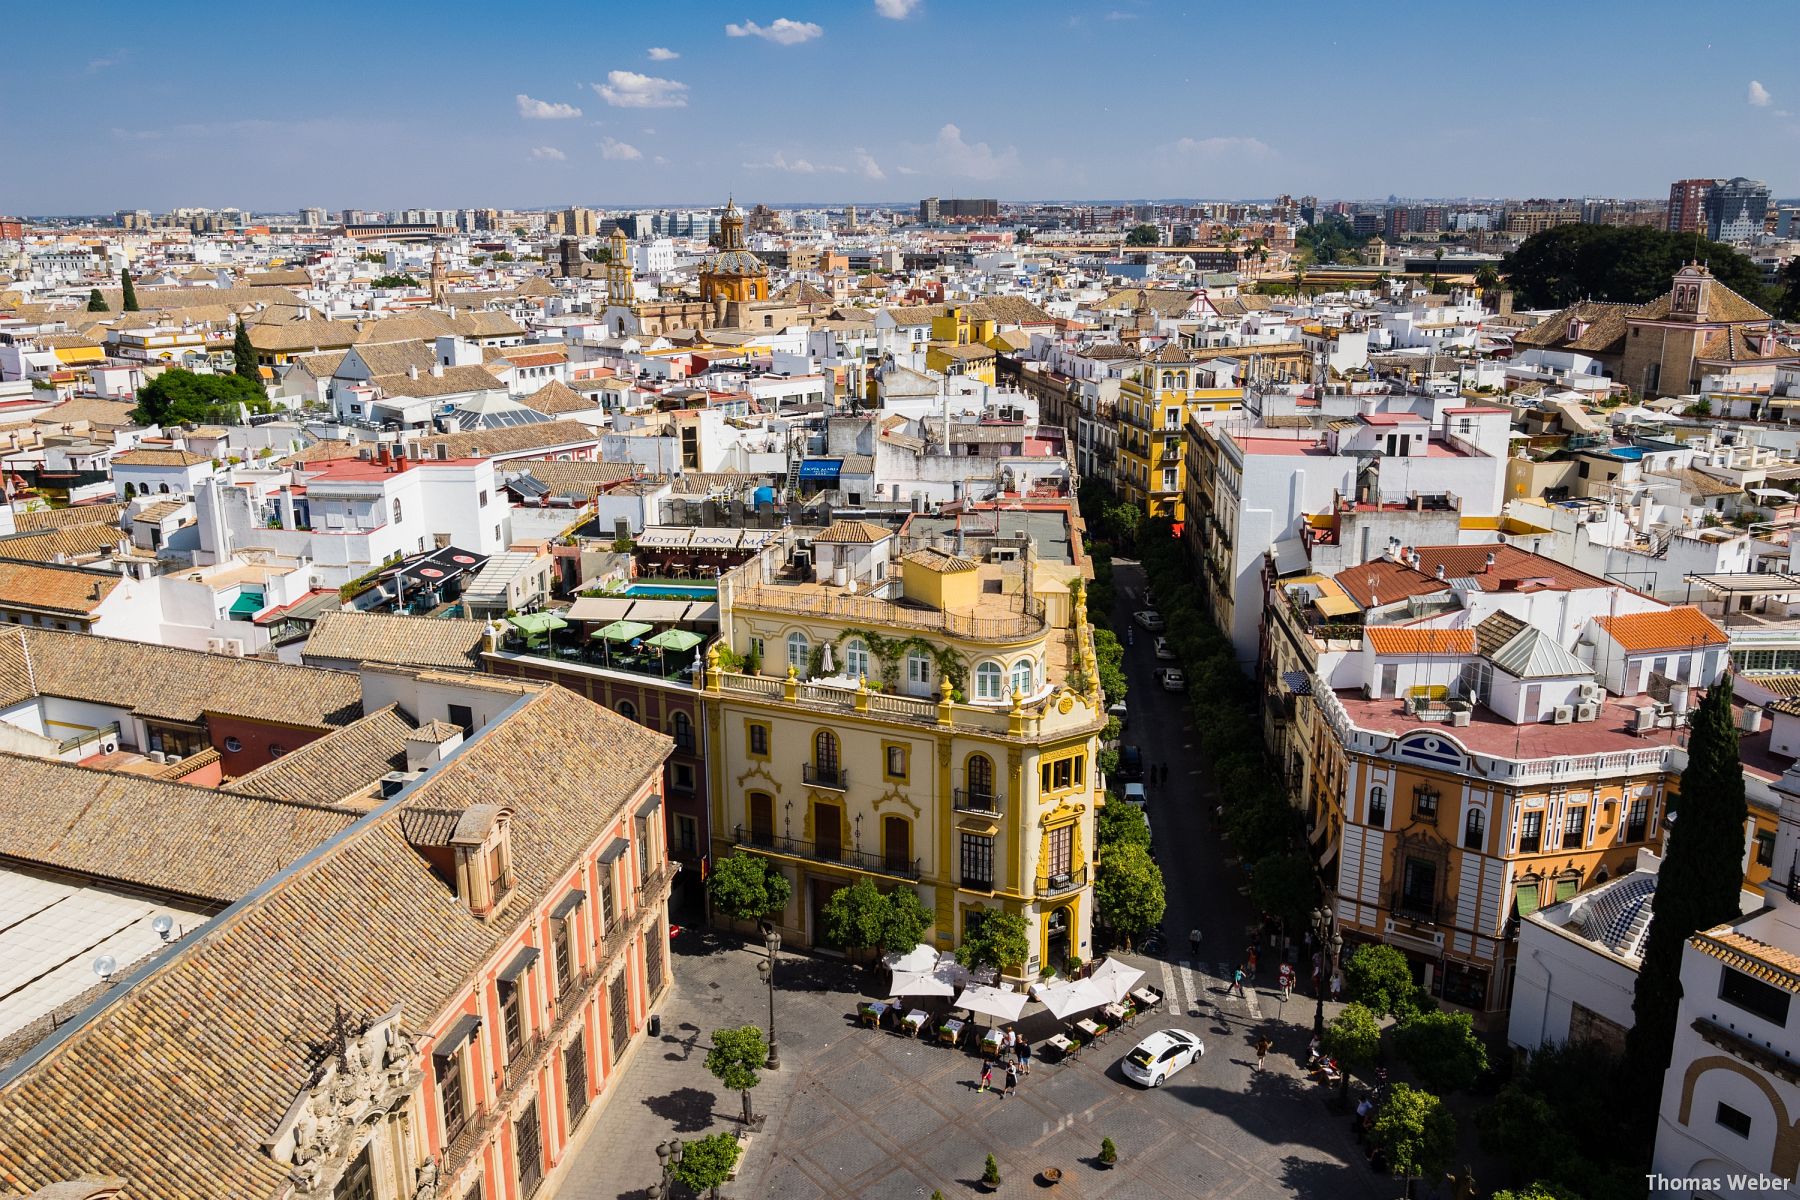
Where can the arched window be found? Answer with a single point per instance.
(161, 487)
(1022, 675)
(628, 710)
(1474, 829)
(799, 652)
(826, 770)
(130, 490)
(683, 731)
(856, 658)
(1377, 806)
(396, 510)
(987, 681)
(978, 774)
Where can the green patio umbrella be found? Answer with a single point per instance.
(676, 640)
(533, 624)
(622, 631)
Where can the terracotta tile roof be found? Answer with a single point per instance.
(1732, 344)
(558, 397)
(507, 440)
(158, 458)
(1513, 568)
(389, 638)
(1604, 332)
(1494, 631)
(72, 542)
(164, 683)
(341, 764)
(1678, 628)
(937, 560)
(1723, 306)
(1383, 581)
(159, 512)
(453, 381)
(98, 823)
(290, 278)
(91, 410)
(855, 532)
(388, 358)
(571, 478)
(1409, 639)
(1771, 964)
(306, 333)
(53, 588)
(1785, 684)
(129, 1078)
(1164, 302)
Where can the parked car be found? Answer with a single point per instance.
(1149, 619)
(1134, 794)
(1163, 650)
(1131, 762)
(1172, 680)
(1117, 709)
(1160, 1055)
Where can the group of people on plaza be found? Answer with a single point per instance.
(1014, 1058)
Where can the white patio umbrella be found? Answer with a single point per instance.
(825, 667)
(1072, 996)
(992, 1002)
(1115, 979)
(921, 983)
(920, 958)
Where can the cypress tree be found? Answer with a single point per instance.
(244, 355)
(97, 302)
(129, 300)
(1698, 883)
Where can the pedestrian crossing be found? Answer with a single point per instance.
(1191, 988)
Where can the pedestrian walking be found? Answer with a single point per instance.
(1250, 960)
(1263, 1046)
(1012, 1079)
(1337, 986)
(1194, 940)
(1024, 1057)
(1287, 980)
(987, 1076)
(1237, 982)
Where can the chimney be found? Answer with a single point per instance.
(1440, 570)
(412, 372)
(437, 370)
(1489, 565)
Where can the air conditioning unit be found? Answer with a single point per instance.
(234, 647)
(1644, 721)
(1586, 712)
(1565, 713)
(1459, 718)
(215, 645)
(158, 757)
(1589, 693)
(173, 759)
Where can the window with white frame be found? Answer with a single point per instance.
(856, 658)
(987, 681)
(799, 651)
(1022, 673)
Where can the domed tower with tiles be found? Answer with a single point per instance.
(733, 275)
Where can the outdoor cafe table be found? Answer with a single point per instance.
(991, 1040)
(1114, 1013)
(1064, 1047)
(1146, 998)
(1089, 1029)
(950, 1032)
(872, 1012)
(914, 1021)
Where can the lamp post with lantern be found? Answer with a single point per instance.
(667, 1155)
(1331, 944)
(766, 968)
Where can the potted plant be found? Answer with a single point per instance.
(1109, 1153)
(990, 1175)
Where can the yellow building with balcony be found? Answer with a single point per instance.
(962, 344)
(916, 716)
(1155, 401)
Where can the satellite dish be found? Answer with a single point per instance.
(162, 923)
(105, 965)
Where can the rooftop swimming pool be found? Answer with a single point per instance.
(672, 591)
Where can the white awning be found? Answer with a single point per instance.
(604, 609)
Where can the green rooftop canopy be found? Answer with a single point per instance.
(677, 639)
(622, 631)
(248, 604)
(536, 623)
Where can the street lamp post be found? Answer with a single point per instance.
(667, 1155)
(771, 940)
(1331, 943)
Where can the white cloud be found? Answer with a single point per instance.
(795, 166)
(662, 54)
(1222, 147)
(781, 31)
(617, 151)
(867, 166)
(544, 110)
(1759, 95)
(628, 89)
(548, 153)
(896, 10)
(660, 161)
(111, 60)
(907, 170)
(971, 160)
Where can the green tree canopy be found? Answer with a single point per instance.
(1120, 824)
(1326, 238)
(747, 886)
(394, 281)
(997, 940)
(176, 397)
(1353, 1037)
(243, 356)
(1380, 977)
(1537, 1191)
(905, 922)
(1285, 885)
(1567, 1119)
(1697, 885)
(736, 1060)
(96, 302)
(1627, 264)
(1143, 235)
(856, 916)
(1788, 306)
(1128, 889)
(1415, 1130)
(706, 1162)
(1442, 1050)
(128, 302)
(597, 254)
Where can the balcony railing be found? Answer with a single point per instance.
(827, 852)
(826, 777)
(1416, 908)
(981, 802)
(1067, 881)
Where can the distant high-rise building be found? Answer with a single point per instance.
(850, 216)
(579, 222)
(312, 217)
(1398, 223)
(1736, 209)
(967, 210)
(928, 210)
(1687, 201)
(1365, 224)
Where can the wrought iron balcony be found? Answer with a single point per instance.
(1067, 881)
(1416, 908)
(831, 852)
(979, 801)
(826, 777)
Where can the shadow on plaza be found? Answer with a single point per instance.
(686, 1109)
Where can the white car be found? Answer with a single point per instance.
(1163, 650)
(1172, 680)
(1149, 619)
(1160, 1055)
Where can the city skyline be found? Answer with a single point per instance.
(780, 104)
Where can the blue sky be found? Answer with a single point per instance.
(452, 104)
